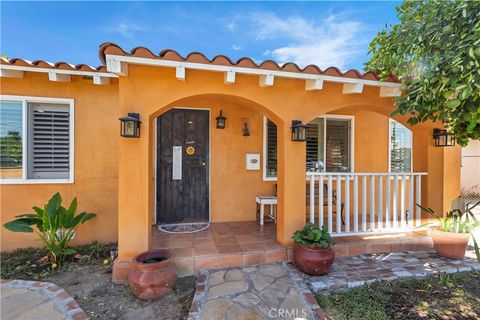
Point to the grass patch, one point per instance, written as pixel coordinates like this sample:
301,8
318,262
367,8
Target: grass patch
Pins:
445,296
30,263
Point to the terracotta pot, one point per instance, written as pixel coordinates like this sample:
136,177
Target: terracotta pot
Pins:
450,244
313,261
151,280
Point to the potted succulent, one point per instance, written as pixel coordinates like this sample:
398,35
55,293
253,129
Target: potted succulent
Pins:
153,274
312,250
452,232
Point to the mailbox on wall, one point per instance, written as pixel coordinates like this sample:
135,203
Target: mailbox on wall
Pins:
253,161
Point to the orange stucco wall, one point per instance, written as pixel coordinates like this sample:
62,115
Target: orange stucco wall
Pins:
152,91
96,164
114,176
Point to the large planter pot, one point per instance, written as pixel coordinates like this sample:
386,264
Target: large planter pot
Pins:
313,261
153,274
450,244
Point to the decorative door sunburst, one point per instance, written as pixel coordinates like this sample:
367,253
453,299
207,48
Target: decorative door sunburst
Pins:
190,150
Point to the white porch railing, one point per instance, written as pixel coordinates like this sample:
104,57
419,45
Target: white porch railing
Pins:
364,203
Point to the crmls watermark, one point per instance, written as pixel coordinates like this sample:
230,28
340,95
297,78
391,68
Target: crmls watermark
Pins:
288,313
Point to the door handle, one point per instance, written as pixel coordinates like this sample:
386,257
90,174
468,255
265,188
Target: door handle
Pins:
204,162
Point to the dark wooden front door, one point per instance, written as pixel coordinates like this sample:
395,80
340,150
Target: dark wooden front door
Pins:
182,166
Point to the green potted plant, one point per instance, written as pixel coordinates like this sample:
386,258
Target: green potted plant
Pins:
452,232
312,250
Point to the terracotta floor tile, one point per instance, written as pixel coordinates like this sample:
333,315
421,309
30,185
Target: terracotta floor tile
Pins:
203,242
160,244
182,252
251,247
264,237
379,247
202,263
225,240
205,251
229,248
245,238
181,236
230,260
357,249
253,258
271,245
409,244
182,243
202,234
340,250
276,255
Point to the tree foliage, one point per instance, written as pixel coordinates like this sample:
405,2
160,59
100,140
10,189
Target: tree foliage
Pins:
435,51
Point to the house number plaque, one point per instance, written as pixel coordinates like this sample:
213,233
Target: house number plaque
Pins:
177,163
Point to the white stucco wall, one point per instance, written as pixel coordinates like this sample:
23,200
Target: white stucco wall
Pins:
470,173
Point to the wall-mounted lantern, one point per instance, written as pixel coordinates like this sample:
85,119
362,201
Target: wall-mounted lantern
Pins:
130,126
298,130
245,129
443,138
221,121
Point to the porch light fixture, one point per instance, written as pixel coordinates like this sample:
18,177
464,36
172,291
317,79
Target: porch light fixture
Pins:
443,138
245,129
298,130
221,121
130,126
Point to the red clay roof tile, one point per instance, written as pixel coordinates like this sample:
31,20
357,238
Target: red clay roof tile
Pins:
197,57
48,65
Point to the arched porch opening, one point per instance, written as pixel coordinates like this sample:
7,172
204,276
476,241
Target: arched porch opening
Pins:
232,186
372,169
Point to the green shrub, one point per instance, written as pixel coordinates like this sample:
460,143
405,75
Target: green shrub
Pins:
54,225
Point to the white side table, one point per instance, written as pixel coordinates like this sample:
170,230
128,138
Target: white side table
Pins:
272,202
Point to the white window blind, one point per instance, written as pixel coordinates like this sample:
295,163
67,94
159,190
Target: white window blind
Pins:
337,145
271,149
328,145
49,141
400,147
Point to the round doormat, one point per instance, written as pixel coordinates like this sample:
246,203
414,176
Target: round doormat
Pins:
184,227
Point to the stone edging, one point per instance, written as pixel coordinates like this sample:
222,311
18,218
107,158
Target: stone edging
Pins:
65,303
199,296
308,296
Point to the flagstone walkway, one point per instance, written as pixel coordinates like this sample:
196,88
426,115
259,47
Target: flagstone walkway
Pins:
37,301
349,272
258,292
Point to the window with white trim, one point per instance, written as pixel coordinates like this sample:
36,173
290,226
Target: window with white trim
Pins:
329,146
400,147
36,140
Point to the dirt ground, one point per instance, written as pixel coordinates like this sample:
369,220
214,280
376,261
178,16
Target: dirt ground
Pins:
92,287
88,281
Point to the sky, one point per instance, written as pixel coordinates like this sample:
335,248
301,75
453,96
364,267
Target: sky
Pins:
322,33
